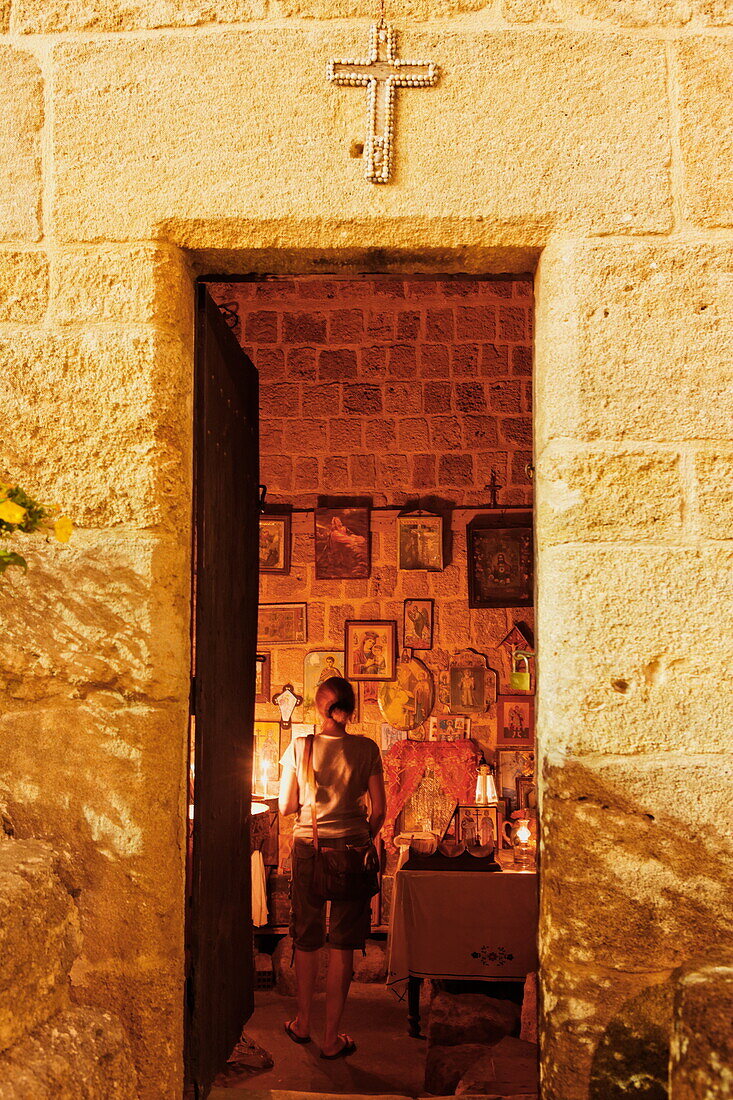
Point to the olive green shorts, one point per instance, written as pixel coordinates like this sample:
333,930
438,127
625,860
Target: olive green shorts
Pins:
349,921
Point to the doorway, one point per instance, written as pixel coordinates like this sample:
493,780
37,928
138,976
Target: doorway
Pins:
397,395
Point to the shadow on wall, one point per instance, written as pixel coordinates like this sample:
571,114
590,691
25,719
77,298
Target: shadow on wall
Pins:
630,892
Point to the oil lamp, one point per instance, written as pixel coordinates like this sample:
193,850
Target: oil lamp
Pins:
522,840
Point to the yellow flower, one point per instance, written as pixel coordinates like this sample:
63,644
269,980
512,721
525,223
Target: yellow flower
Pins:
11,512
63,528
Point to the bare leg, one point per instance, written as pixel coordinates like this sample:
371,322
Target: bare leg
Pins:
338,980
306,972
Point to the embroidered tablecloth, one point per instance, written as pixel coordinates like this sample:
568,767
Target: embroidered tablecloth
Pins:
454,924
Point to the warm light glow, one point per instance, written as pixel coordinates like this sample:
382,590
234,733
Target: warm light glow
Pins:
258,808
491,795
523,834
265,777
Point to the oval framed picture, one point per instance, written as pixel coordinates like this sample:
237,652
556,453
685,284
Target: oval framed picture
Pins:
407,701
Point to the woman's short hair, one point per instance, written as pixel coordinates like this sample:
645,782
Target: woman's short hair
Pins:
335,697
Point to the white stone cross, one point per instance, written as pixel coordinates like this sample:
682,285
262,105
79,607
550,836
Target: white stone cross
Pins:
381,73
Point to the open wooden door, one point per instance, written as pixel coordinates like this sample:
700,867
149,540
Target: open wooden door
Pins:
219,981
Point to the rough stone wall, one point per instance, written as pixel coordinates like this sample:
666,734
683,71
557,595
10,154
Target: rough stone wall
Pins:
135,136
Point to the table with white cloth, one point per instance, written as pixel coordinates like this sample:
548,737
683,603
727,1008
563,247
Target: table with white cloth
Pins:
468,925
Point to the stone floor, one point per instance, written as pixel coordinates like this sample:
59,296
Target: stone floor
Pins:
387,1061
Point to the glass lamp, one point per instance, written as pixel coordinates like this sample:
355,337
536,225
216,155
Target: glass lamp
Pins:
485,787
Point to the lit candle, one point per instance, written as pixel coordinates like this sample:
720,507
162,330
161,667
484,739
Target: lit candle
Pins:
523,834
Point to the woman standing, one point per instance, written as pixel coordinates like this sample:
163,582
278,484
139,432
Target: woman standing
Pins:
347,788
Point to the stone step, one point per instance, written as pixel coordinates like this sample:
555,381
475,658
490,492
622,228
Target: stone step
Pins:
39,938
81,1052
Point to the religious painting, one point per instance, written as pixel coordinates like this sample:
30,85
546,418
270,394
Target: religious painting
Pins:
319,665
407,701
449,727
478,828
500,560
420,541
342,543
371,649
505,814
389,736
515,722
262,678
282,623
370,693
266,759
417,624
513,763
473,684
526,792
275,543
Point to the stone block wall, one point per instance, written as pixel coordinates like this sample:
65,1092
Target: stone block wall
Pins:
139,140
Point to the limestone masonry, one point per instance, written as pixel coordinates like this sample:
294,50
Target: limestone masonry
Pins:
586,142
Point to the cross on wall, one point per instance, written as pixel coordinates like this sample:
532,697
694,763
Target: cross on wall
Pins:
381,73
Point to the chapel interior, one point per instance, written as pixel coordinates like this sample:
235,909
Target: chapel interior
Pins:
396,452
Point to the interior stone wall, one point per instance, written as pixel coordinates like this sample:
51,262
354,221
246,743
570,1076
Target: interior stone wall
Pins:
138,140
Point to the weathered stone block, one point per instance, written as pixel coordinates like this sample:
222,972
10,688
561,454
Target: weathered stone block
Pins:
120,404
39,938
649,686
139,284
498,169
23,286
714,472
620,836
603,494
630,13
444,1066
149,998
511,1069
605,1033
634,342
51,16
469,1018
705,75
21,119
701,1063
101,613
80,1052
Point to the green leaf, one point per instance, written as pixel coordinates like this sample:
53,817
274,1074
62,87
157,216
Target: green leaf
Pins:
8,558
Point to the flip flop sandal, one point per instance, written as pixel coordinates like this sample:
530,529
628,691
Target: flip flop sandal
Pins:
299,1039
348,1048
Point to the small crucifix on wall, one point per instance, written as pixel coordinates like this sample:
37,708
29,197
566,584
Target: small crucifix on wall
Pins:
381,73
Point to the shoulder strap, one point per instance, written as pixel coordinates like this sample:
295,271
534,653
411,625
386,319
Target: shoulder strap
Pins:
310,777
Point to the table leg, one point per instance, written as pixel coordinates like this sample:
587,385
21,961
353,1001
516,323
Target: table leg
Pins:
413,1006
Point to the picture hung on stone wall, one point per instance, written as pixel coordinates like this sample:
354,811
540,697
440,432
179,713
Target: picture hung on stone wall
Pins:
342,543
417,624
474,686
282,623
515,722
371,649
513,763
420,541
262,678
408,701
449,727
526,792
389,736
500,560
275,542
319,665
369,693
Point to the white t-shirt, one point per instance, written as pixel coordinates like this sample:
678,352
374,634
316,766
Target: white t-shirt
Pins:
343,767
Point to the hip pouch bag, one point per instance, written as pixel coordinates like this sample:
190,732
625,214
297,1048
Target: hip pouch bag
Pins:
339,873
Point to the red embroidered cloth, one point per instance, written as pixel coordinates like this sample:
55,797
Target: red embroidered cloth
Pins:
455,764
